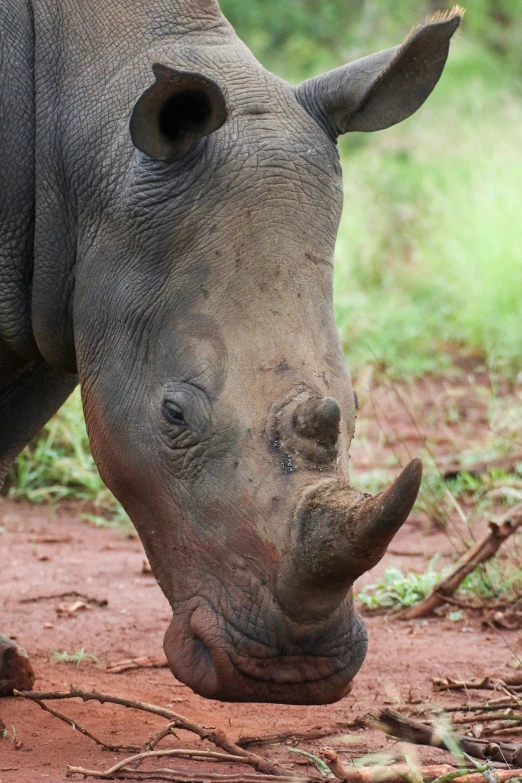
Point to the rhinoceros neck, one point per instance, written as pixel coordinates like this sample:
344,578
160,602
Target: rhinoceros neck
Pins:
17,183
92,61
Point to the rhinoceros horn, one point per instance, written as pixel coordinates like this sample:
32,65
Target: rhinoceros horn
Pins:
339,534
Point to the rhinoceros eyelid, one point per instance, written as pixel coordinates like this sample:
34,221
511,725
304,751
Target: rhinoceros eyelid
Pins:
174,414
188,382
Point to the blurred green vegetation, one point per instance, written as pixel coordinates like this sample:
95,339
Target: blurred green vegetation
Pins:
58,467
297,37
428,259
396,589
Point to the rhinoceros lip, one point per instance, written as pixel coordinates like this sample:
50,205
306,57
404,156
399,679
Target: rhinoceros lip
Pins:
204,657
287,672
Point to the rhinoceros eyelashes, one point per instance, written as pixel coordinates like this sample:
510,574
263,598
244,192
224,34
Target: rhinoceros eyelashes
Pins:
179,109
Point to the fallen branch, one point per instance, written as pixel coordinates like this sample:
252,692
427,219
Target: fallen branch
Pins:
482,551
297,736
401,773
76,726
408,730
205,755
188,776
502,728
513,682
268,771
155,740
508,464
507,732
492,706
51,539
216,736
69,594
145,662
506,715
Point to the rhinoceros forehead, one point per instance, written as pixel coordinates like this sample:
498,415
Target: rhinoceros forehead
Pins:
249,87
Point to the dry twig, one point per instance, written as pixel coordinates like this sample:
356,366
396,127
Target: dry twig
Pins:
409,730
454,468
216,736
102,602
76,726
514,682
299,736
402,773
483,550
155,740
51,539
145,662
189,776
185,753
507,715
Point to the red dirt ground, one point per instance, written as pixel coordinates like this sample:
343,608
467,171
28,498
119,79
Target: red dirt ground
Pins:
403,658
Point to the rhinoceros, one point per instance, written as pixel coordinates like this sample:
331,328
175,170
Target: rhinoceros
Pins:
169,210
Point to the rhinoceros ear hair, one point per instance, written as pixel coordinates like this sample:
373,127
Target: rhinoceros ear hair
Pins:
179,109
385,88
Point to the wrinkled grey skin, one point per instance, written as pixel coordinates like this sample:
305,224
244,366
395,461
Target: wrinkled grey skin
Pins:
186,280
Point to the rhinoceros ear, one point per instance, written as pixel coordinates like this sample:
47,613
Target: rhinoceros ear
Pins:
179,109
385,88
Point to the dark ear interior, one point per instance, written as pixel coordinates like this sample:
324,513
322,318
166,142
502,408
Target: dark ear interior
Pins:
179,109
185,114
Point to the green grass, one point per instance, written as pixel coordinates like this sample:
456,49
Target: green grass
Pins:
58,467
477,496
318,763
499,577
75,658
428,258
399,590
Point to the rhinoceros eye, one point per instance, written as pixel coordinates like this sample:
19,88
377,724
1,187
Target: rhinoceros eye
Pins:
185,415
174,414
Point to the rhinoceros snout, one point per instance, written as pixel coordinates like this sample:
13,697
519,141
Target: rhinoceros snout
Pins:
271,660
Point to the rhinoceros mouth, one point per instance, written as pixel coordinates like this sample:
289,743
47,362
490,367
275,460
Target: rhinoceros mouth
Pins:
218,661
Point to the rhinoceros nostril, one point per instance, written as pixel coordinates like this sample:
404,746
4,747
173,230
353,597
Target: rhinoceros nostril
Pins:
318,419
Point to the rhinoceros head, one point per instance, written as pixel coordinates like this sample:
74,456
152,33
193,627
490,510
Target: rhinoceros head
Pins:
217,399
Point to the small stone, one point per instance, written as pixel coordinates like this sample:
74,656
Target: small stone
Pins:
15,668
